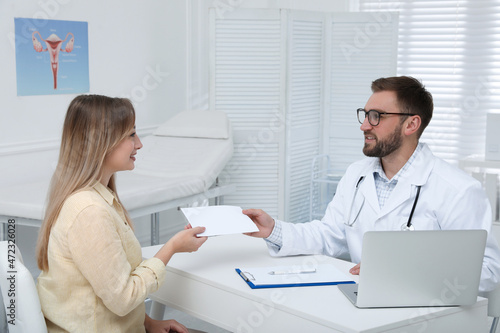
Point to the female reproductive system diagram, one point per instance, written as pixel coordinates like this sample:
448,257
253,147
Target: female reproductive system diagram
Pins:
54,46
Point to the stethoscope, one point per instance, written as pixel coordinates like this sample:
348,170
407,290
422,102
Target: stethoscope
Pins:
406,227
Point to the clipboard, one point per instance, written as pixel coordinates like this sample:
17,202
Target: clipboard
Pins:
260,277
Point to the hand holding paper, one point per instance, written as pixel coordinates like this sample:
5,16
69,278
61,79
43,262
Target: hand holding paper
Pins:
219,220
262,220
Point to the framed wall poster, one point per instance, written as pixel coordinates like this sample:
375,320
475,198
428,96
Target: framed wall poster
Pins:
51,57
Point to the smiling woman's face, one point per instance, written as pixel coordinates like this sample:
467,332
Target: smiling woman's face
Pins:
122,157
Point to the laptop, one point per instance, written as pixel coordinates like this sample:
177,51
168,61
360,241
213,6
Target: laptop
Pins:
418,268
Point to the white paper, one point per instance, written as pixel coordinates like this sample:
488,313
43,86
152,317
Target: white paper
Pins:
324,274
219,220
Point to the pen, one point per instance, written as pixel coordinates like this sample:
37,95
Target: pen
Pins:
293,271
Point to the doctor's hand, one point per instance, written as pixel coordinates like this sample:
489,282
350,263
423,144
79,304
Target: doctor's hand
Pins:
262,220
355,270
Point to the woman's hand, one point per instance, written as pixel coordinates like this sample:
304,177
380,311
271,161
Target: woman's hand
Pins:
184,241
163,326
187,240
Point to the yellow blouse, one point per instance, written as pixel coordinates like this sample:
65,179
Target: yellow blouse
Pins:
97,281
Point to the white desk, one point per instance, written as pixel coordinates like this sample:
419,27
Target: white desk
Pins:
205,285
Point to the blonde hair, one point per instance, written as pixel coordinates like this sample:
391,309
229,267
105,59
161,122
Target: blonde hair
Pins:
94,125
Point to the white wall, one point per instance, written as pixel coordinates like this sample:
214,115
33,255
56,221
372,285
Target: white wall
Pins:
128,40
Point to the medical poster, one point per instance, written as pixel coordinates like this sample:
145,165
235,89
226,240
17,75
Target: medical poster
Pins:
52,57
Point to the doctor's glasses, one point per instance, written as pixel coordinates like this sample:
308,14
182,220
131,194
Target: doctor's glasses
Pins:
374,115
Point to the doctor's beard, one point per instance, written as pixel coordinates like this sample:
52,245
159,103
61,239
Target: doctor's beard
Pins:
384,147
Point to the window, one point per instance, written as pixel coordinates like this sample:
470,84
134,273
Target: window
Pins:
291,81
454,48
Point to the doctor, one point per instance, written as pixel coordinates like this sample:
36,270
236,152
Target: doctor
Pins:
401,185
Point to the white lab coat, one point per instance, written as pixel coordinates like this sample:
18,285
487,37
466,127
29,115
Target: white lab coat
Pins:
449,199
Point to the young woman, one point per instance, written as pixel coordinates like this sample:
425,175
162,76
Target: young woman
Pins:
93,277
